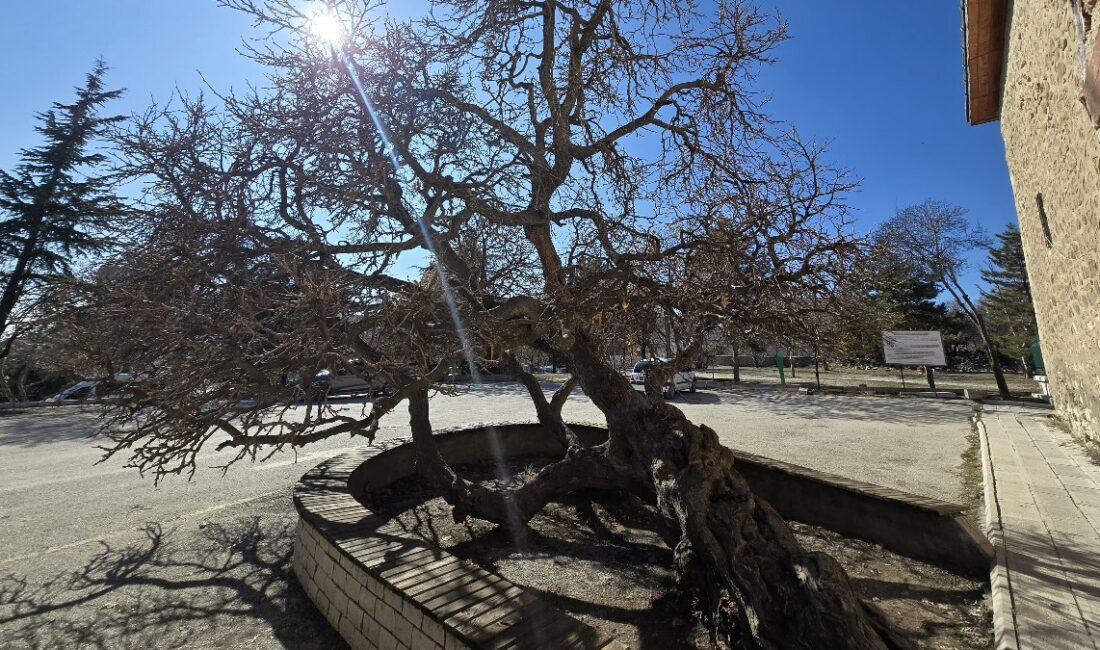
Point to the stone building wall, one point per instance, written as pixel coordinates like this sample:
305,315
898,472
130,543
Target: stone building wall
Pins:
1053,152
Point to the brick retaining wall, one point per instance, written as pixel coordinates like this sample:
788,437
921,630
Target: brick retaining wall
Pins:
365,610
382,588
923,528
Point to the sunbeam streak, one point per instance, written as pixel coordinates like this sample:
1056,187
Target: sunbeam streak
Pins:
425,230
516,526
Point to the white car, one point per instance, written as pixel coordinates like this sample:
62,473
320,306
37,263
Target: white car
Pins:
352,378
87,388
681,381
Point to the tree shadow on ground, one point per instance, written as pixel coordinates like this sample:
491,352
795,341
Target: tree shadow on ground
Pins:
501,387
576,535
884,409
229,588
891,410
35,427
1052,586
579,557
698,397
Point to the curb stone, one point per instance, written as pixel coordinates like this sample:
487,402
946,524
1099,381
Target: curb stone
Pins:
1000,581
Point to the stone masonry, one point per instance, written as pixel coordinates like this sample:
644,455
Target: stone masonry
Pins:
1053,151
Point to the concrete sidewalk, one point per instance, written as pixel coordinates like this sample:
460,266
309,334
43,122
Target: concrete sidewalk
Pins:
1043,517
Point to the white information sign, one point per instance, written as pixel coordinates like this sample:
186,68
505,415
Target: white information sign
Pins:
908,348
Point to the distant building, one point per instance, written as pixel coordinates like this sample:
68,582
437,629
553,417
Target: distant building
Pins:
1035,66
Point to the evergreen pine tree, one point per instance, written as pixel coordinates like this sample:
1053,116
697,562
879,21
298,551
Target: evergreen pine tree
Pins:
53,205
913,299
906,294
1007,305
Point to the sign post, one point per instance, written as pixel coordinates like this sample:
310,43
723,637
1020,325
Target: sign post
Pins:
914,348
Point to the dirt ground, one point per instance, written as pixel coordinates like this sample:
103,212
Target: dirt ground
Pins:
218,580
597,557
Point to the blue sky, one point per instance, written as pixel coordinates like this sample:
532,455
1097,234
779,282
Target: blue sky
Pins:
880,81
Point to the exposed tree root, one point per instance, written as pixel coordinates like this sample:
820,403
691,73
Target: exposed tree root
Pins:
737,559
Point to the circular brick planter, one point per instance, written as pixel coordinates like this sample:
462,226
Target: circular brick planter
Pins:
380,587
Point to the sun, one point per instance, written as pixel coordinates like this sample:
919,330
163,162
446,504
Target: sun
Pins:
326,27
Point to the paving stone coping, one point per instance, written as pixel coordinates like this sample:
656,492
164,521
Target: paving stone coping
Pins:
1043,517
381,587
1000,588
862,391
869,490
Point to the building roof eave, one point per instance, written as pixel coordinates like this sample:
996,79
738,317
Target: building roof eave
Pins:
984,26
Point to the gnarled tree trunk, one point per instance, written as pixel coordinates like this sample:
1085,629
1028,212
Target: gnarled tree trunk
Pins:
755,585
760,588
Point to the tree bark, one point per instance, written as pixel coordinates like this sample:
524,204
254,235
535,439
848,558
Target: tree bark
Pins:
758,588
21,383
668,336
547,411
736,366
998,371
18,277
582,468
993,354
5,388
817,368
954,287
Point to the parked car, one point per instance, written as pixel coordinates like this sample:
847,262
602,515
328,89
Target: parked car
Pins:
80,390
90,388
352,378
682,380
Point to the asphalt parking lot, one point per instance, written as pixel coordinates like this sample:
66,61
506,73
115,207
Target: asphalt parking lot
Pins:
95,555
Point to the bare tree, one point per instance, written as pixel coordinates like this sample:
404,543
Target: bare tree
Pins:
847,320
570,169
936,237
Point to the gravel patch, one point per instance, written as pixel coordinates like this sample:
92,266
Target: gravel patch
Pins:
908,444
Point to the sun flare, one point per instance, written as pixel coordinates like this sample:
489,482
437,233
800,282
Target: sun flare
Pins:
326,27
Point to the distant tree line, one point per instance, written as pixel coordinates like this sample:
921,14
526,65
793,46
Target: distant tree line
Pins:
910,278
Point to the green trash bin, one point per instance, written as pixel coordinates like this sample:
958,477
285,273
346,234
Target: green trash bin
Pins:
1037,356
